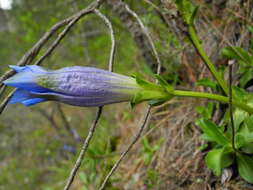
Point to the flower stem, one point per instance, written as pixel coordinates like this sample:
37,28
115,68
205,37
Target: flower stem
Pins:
216,97
196,42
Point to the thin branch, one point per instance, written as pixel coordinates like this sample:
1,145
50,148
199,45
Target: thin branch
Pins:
63,33
136,138
50,119
146,32
2,90
5,101
113,44
83,151
67,126
93,127
118,7
33,52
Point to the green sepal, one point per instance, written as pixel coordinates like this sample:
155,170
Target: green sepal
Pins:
146,84
164,84
146,95
157,102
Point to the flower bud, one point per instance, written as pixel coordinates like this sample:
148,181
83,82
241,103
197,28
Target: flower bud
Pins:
78,86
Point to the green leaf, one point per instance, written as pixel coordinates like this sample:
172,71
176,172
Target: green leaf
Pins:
187,10
146,95
193,15
249,123
206,112
237,53
212,131
245,167
207,83
239,93
246,77
217,159
247,148
250,28
239,117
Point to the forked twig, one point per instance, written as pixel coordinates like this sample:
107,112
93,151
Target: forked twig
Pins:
93,127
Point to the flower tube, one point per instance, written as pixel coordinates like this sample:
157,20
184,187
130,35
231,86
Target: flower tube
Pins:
78,86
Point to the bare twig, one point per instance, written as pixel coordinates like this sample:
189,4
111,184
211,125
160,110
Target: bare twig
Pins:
113,45
64,32
2,90
5,101
93,127
50,118
83,151
32,53
132,25
67,126
146,32
147,115
136,138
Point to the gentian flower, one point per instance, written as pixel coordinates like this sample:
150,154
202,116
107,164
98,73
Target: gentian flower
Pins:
78,86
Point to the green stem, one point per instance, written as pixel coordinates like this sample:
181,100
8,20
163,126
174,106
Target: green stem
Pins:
216,97
196,42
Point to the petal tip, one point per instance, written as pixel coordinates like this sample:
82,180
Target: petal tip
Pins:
16,68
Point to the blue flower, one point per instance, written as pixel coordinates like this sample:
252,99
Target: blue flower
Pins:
78,86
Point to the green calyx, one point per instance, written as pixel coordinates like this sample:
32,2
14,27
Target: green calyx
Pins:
154,93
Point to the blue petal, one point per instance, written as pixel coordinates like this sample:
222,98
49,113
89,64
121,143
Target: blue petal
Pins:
28,68
25,97
33,101
25,80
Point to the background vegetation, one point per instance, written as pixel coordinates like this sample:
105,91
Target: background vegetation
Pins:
39,145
